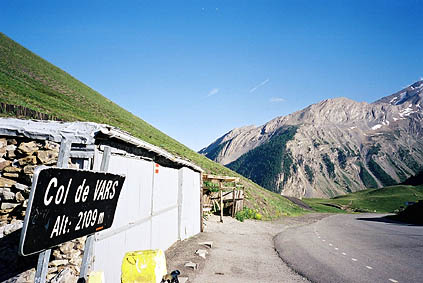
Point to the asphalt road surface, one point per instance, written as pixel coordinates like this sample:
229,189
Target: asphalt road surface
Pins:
354,248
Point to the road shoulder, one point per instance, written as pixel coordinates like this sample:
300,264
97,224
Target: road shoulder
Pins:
241,251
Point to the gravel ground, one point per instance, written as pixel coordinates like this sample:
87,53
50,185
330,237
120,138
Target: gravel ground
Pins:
241,252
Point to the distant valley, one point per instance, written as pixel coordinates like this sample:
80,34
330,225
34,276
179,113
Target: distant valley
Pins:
332,147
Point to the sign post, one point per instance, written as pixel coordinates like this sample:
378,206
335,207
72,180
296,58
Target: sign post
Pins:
89,242
44,257
65,204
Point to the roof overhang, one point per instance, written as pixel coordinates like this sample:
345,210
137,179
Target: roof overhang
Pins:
82,133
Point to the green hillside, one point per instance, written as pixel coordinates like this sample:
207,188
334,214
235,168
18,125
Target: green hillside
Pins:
30,81
384,200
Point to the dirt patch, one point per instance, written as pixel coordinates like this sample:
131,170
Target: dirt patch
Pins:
241,252
299,202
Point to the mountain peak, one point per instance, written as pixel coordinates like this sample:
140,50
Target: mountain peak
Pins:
411,94
332,147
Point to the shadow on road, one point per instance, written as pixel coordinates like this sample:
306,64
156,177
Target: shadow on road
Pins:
390,219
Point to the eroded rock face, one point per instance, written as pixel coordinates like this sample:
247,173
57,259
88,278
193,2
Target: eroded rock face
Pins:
339,146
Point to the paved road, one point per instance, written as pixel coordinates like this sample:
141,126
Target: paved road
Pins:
354,248
242,252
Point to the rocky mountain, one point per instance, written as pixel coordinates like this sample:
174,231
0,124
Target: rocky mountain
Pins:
332,147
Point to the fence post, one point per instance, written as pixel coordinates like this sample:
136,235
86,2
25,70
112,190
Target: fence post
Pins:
44,257
233,202
221,201
89,242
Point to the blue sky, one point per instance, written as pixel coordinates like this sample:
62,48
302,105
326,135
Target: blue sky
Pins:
197,69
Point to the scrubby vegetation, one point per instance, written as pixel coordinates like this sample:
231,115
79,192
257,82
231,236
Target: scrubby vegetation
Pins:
309,173
376,169
342,158
380,174
264,163
247,213
406,157
269,204
330,168
212,187
367,179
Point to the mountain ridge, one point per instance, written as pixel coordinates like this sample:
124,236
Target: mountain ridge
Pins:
340,146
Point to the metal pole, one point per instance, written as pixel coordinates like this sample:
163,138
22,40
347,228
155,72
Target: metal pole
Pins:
89,242
44,257
42,266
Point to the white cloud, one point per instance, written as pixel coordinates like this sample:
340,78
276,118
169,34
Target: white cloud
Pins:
276,99
213,92
259,85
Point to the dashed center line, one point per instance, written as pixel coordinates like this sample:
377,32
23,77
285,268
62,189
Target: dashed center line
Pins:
353,259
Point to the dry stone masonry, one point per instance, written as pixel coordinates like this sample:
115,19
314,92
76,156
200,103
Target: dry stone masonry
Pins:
18,159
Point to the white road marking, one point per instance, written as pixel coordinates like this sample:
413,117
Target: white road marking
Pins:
330,245
344,253
353,259
369,267
318,237
393,280
336,249
323,240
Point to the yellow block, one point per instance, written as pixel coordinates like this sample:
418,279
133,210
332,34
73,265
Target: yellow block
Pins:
96,277
147,266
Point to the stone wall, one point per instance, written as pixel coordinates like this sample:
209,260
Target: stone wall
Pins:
18,159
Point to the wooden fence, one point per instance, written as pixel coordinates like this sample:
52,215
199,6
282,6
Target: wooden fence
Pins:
21,111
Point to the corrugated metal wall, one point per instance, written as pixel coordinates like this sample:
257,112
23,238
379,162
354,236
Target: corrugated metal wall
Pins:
189,195
157,206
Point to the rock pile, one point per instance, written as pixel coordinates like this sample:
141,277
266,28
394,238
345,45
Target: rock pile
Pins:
18,159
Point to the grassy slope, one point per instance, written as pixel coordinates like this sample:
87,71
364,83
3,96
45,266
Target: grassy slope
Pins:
269,204
30,81
383,200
